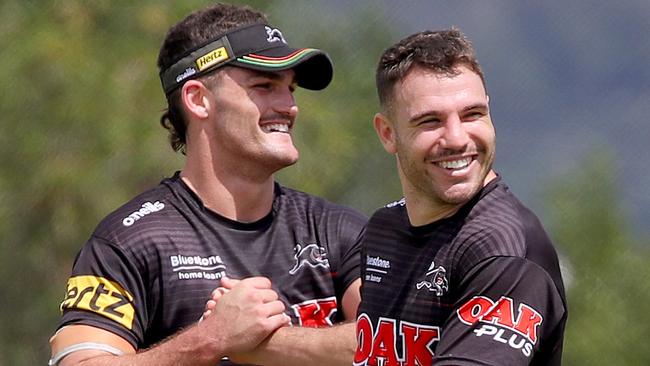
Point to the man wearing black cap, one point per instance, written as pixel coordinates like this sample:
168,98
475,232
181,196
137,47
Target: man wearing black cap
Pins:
139,285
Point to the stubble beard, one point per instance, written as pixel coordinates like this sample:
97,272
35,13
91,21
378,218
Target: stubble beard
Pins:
425,186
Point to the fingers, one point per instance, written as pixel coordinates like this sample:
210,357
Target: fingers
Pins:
272,308
258,289
229,283
209,308
217,293
253,289
279,321
245,312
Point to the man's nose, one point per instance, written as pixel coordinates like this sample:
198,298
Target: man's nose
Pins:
286,104
454,137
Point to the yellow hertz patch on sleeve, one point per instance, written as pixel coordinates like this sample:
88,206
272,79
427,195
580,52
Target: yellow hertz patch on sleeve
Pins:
212,58
100,296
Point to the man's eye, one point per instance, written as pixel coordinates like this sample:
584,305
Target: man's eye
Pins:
429,121
473,116
264,86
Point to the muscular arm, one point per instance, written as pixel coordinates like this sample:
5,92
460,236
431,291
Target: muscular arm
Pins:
505,298
290,346
189,347
241,320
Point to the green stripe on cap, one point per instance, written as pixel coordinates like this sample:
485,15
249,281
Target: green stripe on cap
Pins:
278,62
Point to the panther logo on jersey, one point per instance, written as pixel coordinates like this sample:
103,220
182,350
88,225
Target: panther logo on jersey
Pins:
311,255
435,280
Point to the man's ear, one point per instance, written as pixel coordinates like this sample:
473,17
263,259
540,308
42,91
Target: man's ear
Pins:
194,95
385,132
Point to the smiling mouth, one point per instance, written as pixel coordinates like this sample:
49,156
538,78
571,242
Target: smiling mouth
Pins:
276,127
454,164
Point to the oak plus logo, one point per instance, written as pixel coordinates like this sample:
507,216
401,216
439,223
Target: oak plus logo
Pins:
517,329
147,208
382,345
311,255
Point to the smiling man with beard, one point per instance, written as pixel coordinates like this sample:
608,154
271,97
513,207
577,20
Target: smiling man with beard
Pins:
467,276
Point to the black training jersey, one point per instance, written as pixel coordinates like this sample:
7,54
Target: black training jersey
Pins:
482,287
150,266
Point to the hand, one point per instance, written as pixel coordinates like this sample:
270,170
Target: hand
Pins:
244,313
214,297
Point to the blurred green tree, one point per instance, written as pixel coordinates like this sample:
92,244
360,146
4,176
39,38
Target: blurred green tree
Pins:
606,273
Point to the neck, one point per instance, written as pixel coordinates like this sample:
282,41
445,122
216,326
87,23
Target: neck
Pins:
228,191
423,211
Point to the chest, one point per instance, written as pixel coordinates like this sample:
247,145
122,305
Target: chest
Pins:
191,265
407,278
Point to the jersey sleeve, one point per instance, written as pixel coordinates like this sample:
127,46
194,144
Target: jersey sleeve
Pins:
105,290
351,228
509,308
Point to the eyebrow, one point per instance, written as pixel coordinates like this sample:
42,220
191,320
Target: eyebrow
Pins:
435,113
475,106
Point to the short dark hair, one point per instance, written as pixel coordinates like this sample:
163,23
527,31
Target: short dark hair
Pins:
441,51
196,29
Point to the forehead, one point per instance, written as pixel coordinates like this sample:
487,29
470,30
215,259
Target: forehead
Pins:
423,89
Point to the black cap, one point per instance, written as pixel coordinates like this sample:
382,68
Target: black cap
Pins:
256,46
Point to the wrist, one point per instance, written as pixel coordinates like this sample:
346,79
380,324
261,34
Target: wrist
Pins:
199,344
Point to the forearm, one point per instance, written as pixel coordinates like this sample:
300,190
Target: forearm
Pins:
189,347
298,346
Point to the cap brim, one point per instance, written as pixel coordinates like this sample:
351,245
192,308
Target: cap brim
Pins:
313,67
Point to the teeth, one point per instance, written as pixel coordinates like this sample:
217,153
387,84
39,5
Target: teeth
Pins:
454,164
276,127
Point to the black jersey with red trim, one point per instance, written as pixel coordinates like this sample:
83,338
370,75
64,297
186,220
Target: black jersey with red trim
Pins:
482,287
149,267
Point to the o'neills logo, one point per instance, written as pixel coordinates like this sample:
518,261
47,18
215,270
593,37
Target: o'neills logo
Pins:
212,58
186,74
146,209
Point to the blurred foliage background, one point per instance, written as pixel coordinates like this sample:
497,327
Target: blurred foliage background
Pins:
80,101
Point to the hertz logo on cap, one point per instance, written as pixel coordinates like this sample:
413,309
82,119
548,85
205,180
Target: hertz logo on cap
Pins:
212,58
100,296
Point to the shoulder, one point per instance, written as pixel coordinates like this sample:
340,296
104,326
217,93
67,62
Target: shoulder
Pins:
295,201
146,213
391,212
500,225
388,224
